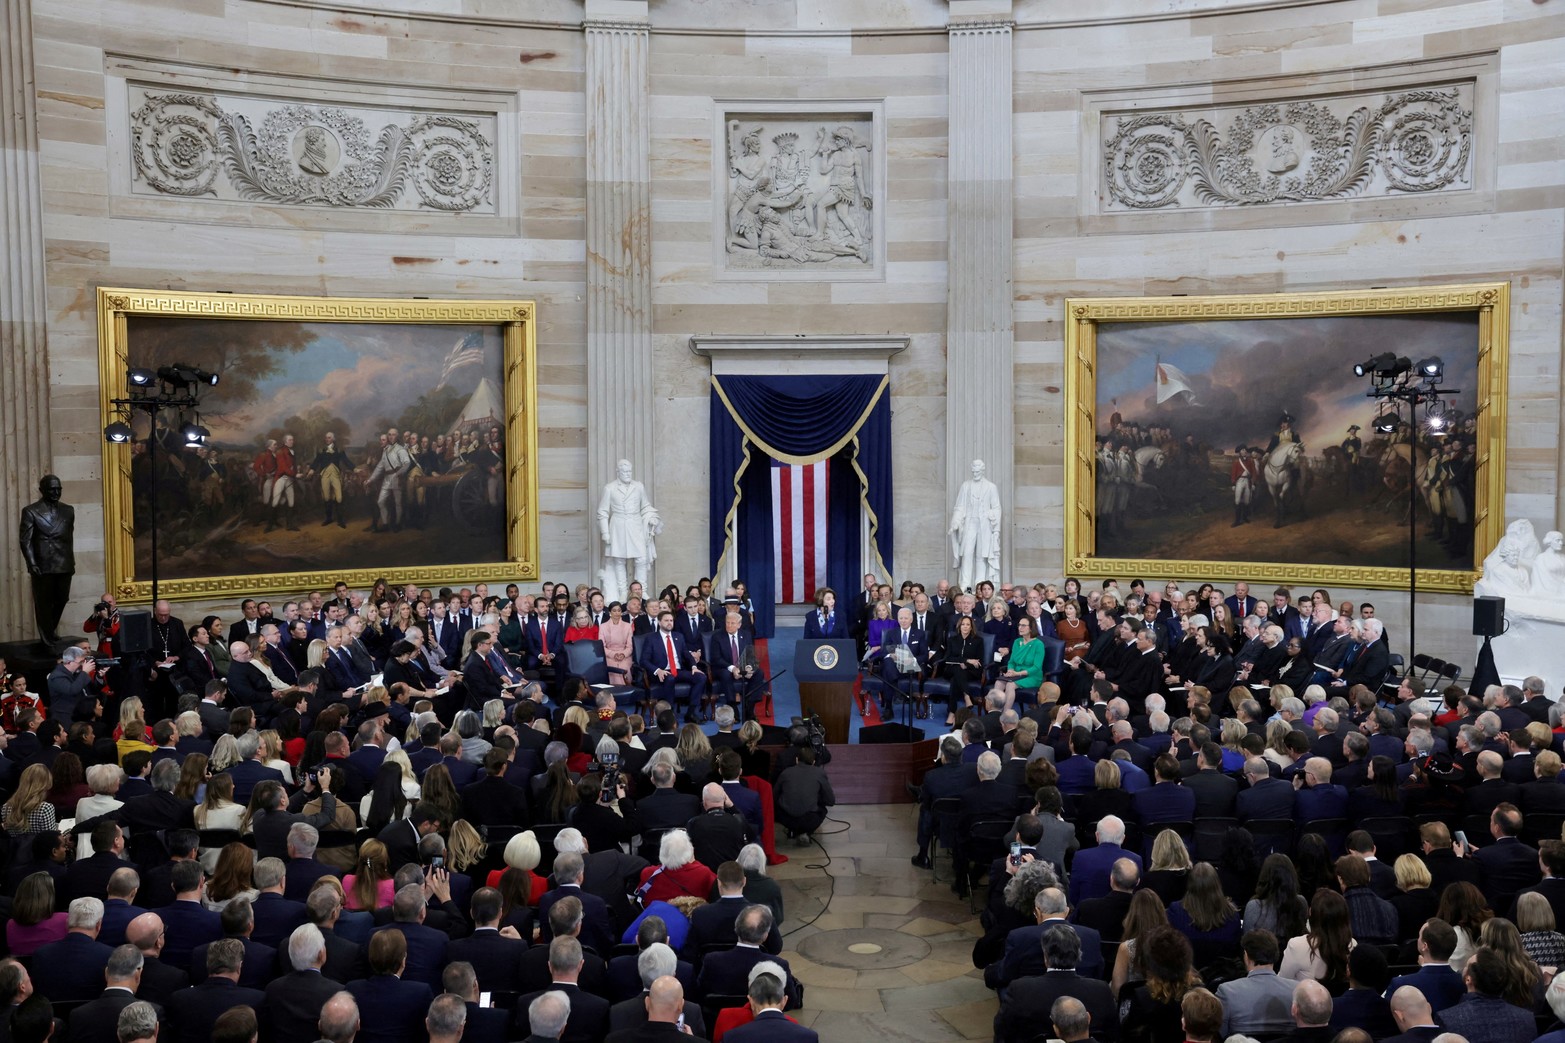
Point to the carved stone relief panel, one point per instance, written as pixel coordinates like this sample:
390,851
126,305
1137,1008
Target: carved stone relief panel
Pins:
1366,144
264,150
800,192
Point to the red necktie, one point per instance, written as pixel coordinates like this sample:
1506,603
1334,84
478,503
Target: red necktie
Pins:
673,663
543,635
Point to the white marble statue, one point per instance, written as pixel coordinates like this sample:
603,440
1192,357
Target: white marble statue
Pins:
627,521
975,530
1548,569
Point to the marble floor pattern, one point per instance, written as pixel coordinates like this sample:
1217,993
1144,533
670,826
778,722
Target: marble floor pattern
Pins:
891,956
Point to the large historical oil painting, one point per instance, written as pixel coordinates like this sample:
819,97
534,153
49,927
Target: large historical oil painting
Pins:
349,438
1229,437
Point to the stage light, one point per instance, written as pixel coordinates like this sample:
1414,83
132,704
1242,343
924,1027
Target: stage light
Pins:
140,377
1374,365
1431,368
194,434
1387,423
1398,366
118,432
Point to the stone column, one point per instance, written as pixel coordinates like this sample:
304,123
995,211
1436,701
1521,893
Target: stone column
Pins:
619,255
979,400
24,360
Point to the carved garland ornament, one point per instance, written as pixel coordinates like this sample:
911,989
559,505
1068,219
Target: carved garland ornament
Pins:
308,155
1420,141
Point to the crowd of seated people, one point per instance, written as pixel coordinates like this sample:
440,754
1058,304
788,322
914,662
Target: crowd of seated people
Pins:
1309,848
397,817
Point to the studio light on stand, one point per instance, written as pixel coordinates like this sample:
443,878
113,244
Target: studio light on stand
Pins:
176,388
1395,382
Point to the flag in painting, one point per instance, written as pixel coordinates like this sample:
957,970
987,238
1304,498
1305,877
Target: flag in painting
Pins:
1171,381
467,352
799,529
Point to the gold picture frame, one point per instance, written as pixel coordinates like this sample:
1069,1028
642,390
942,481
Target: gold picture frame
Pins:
502,336
1114,325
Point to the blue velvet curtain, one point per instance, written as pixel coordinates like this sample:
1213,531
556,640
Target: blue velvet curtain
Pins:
798,420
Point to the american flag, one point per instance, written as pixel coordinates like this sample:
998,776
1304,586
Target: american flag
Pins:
799,529
467,352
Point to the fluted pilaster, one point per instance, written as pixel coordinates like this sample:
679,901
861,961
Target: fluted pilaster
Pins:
979,400
24,359
619,260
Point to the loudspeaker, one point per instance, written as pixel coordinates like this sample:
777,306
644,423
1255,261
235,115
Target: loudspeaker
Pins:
135,631
1488,616
893,733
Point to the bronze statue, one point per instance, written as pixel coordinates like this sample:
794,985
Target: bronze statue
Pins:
48,533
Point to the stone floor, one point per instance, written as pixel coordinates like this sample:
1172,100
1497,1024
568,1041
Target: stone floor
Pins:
891,955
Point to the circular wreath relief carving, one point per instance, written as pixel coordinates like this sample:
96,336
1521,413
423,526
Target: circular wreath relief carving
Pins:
1146,161
1426,138
175,147
454,166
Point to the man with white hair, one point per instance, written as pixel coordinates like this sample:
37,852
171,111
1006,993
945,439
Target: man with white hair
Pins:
1311,1012
1369,667
589,1014
1316,796
655,961
1090,872
986,800
547,1016
767,995
570,869
297,1001
603,872
72,968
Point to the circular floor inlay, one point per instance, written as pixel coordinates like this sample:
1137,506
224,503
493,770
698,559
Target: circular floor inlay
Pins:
864,949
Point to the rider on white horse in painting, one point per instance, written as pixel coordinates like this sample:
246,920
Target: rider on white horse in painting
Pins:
1284,464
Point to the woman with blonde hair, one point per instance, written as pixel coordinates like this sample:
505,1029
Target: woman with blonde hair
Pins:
466,847
576,715
494,717
272,755
1234,733
232,877
1107,797
695,753
1415,901
1276,738
225,754
132,733
34,923
370,885
104,781
1169,872
217,811
1544,945
752,759
29,810
315,654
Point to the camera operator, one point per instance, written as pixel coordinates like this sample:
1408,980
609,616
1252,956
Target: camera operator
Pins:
803,794
68,682
804,735
105,622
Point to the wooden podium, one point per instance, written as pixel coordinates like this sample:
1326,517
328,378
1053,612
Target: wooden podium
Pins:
826,670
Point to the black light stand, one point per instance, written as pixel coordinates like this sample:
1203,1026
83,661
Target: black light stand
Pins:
151,392
1396,380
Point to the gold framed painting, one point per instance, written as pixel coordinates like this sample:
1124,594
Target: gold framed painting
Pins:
1228,437
349,439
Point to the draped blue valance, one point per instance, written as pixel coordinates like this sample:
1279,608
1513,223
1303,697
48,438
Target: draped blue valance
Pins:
798,420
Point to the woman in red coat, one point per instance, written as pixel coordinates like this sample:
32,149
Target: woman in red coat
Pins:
678,872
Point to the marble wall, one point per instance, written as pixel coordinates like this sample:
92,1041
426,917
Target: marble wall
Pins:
527,68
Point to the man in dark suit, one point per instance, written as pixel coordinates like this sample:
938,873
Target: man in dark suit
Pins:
1414,1020
720,832
302,870
1492,790
951,779
388,1004
297,1001
597,928
1023,956
276,916
694,625
247,625
160,809
736,676
89,877
214,715
588,1021
426,947
494,957
1440,986
445,633
99,1019
193,1011
72,968
1507,865
492,801
663,671
770,1024
1106,915
249,772
260,960
1483,1013
186,923
1317,797
159,980
987,800
1283,614
1265,798
402,837
1090,871
195,662
655,960
1446,867
1240,603
1141,673
1551,857
464,1020
119,909
627,977
1166,800
712,925
1215,793
1027,1001
478,674
916,644
727,973
665,807
544,636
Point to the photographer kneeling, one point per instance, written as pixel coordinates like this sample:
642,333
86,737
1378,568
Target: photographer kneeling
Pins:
802,795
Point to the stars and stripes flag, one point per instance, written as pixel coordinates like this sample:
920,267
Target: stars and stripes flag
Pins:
467,352
799,529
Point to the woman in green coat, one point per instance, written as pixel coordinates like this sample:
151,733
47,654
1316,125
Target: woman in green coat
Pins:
1025,667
